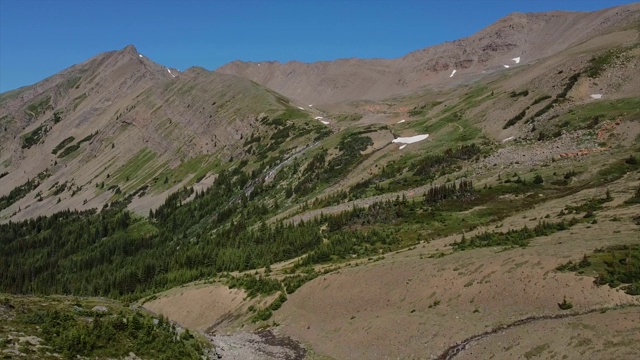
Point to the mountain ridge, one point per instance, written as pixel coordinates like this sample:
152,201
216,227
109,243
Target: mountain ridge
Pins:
488,50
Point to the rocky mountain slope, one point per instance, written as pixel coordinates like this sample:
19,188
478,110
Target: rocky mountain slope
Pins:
120,123
527,37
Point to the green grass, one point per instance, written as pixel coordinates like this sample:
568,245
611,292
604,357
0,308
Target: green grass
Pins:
196,168
134,168
615,171
347,117
38,107
580,116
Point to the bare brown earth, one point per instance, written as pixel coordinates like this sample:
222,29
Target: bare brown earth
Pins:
601,335
199,307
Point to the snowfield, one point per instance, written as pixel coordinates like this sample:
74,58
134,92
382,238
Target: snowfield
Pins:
410,140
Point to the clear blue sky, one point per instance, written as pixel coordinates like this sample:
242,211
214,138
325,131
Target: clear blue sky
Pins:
41,37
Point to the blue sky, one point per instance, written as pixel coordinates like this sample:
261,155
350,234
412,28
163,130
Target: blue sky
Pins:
41,37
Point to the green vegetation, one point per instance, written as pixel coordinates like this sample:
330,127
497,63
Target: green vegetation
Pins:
401,175
515,119
511,238
56,116
255,285
38,107
70,328
592,114
565,305
614,266
347,117
522,93
35,136
616,170
73,148
63,144
22,190
319,170
540,99
599,64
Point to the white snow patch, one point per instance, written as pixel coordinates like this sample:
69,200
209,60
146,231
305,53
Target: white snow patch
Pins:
300,107
318,117
517,60
140,55
453,72
170,72
403,146
509,138
507,66
401,121
310,105
324,122
410,139
596,96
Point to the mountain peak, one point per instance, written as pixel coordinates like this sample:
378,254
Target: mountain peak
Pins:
129,49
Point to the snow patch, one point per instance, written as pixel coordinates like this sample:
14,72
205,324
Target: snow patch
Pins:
509,139
140,55
517,60
170,72
310,105
507,66
410,139
401,121
596,96
318,117
403,146
300,107
324,122
453,72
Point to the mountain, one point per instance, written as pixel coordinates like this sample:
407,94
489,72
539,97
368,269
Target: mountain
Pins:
529,37
119,122
449,218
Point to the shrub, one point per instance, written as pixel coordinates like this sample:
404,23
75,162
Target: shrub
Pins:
565,305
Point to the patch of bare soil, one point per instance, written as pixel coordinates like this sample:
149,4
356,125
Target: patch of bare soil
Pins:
612,334
199,307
